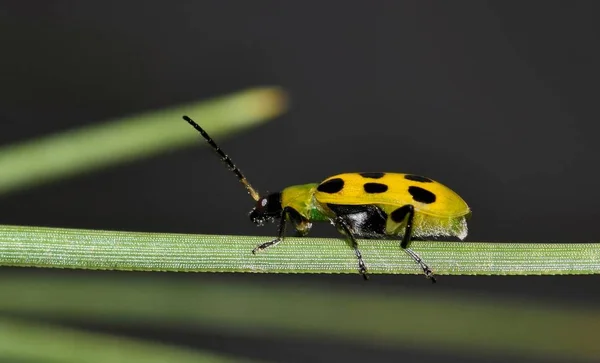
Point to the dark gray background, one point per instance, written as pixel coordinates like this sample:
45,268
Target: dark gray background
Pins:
496,99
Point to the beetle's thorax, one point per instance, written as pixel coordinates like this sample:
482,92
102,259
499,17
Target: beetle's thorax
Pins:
301,198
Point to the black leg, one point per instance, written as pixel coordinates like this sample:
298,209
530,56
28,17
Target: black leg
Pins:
408,230
301,224
280,234
342,227
426,270
406,239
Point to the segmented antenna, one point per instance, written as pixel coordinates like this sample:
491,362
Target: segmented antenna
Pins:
226,159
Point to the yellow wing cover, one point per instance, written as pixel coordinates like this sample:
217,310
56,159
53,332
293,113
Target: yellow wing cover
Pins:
392,190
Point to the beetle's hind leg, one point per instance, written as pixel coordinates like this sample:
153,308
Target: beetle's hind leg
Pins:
406,239
426,270
343,228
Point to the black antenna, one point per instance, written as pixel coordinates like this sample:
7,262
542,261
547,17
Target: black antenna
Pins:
226,159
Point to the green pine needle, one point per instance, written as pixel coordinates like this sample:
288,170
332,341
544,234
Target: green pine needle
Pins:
27,342
100,145
139,251
426,319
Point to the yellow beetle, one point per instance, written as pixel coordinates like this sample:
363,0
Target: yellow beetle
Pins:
361,205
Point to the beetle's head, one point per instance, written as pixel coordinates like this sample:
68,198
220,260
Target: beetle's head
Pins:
267,209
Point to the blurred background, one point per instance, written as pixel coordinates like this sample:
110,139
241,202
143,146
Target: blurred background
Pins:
497,100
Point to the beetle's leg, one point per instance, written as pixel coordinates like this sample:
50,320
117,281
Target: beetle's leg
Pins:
410,213
406,239
343,228
280,234
301,224
426,270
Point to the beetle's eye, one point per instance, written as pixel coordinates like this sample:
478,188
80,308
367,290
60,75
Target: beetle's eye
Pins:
263,202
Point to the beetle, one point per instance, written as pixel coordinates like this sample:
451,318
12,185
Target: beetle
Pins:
360,205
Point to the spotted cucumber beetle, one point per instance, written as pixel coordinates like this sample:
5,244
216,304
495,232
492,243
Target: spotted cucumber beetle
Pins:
360,205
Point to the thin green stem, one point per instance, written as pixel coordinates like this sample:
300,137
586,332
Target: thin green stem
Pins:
428,319
101,145
141,251
20,341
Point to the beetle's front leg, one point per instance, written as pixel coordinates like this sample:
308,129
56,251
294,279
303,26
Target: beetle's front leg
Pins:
301,224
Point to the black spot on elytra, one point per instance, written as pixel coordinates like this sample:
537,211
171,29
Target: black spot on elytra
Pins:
372,175
331,186
374,188
400,214
421,195
418,178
